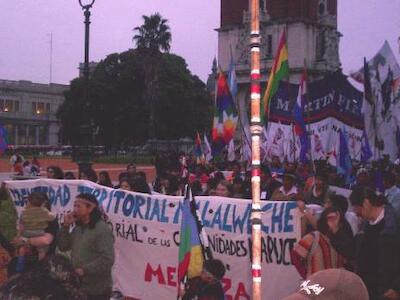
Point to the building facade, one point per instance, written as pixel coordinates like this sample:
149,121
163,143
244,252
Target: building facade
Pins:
28,111
312,39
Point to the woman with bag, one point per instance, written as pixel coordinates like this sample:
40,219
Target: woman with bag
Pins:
314,252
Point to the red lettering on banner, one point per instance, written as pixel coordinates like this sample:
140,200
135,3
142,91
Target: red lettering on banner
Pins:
171,271
150,272
231,293
226,285
240,293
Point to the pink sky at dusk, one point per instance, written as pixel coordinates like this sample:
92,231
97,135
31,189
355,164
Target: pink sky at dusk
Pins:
27,24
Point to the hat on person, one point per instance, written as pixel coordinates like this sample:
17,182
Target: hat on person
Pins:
331,284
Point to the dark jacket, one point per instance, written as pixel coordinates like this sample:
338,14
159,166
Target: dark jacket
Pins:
388,257
92,249
204,291
343,240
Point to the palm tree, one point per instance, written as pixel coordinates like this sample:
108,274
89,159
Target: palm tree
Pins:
151,38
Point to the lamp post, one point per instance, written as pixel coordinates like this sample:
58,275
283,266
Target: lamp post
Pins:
83,154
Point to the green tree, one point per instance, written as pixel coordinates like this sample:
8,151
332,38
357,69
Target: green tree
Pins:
117,101
151,39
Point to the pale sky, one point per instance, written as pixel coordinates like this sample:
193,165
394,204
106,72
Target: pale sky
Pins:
27,24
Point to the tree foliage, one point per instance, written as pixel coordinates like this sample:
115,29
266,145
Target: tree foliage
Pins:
151,39
154,35
118,101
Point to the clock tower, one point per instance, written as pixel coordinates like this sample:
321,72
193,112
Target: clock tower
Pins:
312,38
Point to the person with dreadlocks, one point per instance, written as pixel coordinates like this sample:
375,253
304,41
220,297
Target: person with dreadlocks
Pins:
92,246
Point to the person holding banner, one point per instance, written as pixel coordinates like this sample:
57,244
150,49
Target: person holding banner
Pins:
315,252
92,247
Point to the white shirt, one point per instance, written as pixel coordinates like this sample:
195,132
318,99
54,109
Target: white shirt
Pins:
293,190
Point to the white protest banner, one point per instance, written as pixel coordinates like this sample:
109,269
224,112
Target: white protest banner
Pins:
146,228
332,104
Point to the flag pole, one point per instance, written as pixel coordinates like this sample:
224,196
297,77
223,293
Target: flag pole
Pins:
308,117
256,131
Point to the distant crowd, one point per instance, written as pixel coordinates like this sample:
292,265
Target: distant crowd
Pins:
346,224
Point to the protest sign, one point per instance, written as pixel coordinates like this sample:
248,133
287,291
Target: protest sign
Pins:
332,104
146,229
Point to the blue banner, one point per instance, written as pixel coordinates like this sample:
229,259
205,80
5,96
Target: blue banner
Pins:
332,96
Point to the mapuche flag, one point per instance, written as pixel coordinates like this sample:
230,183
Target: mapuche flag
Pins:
191,256
279,71
225,116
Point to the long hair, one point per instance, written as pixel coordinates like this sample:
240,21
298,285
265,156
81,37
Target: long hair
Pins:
322,223
58,173
96,214
107,179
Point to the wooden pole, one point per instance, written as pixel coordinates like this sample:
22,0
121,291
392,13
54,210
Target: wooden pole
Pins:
256,131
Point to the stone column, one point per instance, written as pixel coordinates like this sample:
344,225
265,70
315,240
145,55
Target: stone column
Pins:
16,134
27,135
37,140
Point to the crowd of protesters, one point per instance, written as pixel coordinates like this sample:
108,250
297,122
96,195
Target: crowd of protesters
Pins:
358,232
23,167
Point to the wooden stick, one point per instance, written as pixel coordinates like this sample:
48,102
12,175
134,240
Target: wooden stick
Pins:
256,131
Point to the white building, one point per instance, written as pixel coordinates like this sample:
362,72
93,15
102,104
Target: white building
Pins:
28,111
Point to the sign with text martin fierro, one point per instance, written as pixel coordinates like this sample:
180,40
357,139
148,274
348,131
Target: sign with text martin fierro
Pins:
146,230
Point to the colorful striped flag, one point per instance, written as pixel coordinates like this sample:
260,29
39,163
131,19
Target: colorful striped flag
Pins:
191,255
279,71
225,117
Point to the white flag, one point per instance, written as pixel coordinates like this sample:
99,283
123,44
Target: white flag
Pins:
231,151
207,149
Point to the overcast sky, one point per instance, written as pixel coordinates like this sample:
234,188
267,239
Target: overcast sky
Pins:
26,26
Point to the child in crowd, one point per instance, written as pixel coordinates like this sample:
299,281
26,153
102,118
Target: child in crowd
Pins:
35,218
